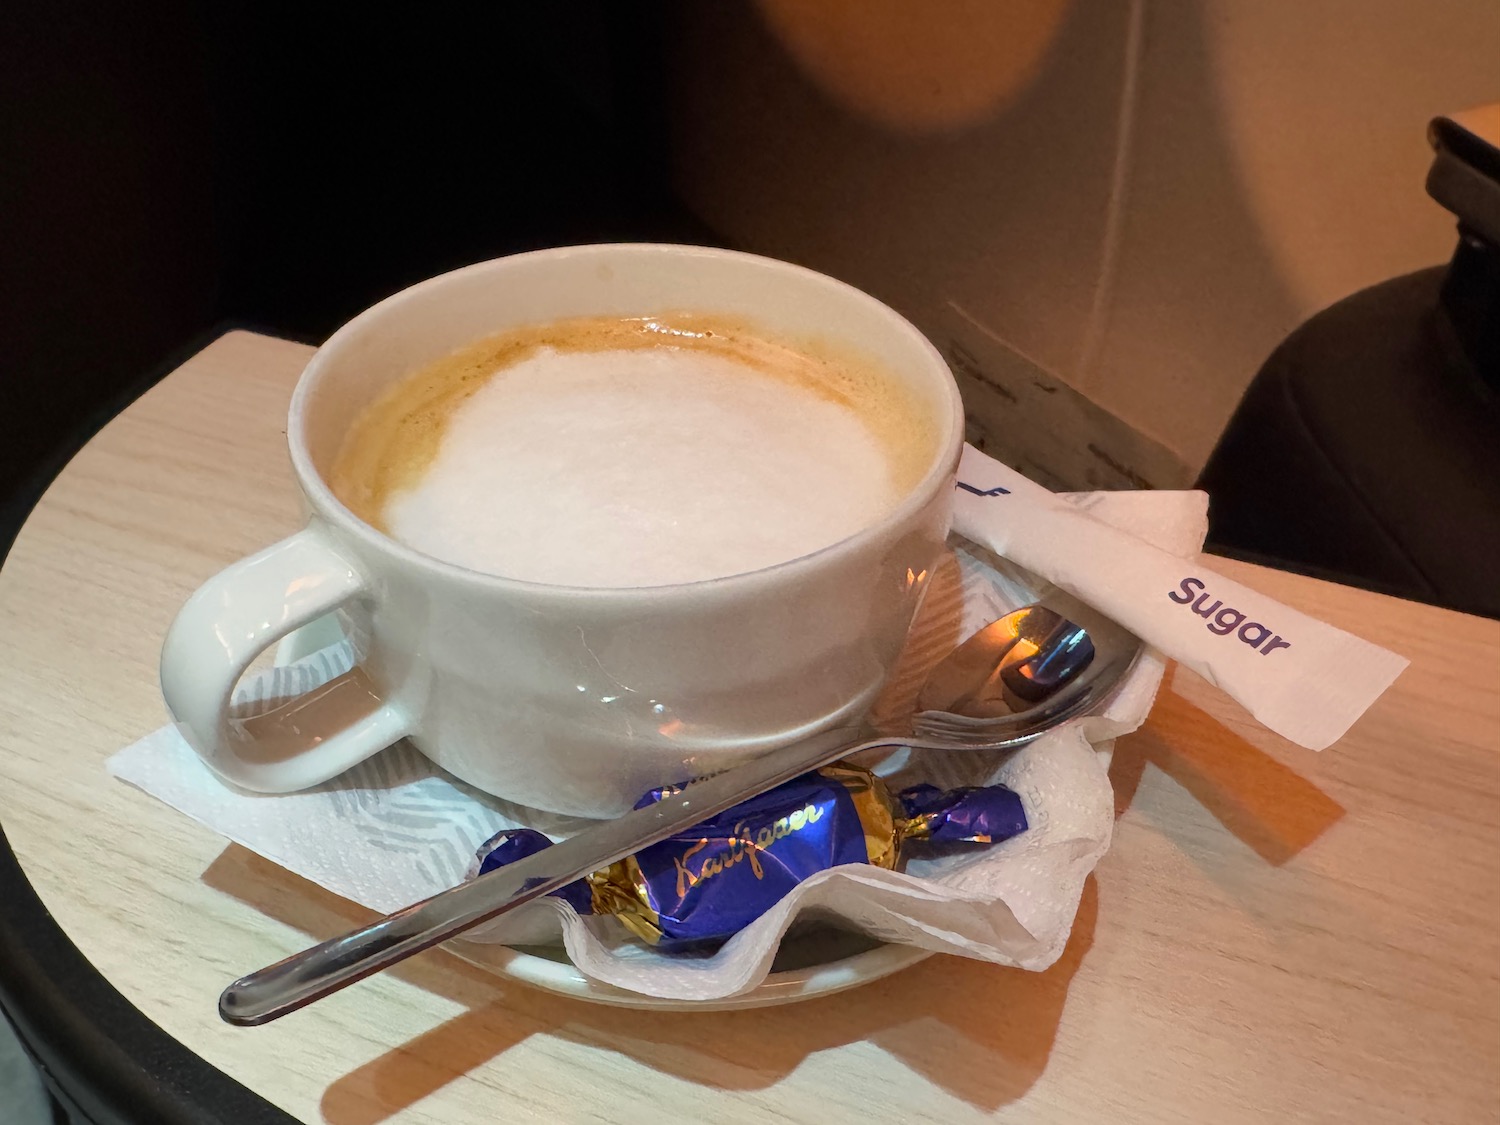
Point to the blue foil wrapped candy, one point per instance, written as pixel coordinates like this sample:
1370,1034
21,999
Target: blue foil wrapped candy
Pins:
974,815
695,890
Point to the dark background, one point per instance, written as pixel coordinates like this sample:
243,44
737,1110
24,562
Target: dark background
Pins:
170,168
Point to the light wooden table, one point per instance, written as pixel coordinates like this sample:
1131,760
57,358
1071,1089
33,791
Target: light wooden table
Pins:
1277,935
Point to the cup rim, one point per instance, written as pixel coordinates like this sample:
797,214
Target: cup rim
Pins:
330,508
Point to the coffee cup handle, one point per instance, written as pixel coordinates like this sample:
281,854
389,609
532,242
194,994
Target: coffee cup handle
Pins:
232,619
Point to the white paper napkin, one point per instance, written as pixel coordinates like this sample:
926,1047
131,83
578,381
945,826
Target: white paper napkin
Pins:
397,828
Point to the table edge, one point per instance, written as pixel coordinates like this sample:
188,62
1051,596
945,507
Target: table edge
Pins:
95,1049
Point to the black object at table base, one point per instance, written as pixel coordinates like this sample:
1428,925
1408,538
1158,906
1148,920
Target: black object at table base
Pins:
1368,449
1368,446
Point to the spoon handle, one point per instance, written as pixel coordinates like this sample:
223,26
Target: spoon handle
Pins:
302,978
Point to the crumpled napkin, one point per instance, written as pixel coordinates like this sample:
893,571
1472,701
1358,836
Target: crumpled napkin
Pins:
397,828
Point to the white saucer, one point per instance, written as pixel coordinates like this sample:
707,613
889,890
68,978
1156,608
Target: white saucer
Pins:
815,961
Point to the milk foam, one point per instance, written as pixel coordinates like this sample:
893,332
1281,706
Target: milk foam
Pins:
641,467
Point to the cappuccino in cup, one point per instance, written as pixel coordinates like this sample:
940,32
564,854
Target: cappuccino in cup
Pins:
592,519
634,451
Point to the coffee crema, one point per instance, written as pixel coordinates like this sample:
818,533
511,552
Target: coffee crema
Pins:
629,452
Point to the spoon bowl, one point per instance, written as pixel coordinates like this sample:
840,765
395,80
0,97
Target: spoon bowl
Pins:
1009,665
1025,674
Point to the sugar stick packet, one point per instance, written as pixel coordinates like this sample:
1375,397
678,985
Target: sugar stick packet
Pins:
1300,677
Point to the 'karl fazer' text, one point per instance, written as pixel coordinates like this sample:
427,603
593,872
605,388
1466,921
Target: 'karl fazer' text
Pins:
743,846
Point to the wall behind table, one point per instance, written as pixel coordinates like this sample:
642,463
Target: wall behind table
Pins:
1107,214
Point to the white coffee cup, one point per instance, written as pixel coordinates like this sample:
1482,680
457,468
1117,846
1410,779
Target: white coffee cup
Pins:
562,698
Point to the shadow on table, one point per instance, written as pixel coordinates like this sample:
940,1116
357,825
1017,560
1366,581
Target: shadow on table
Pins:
1269,806
980,1032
